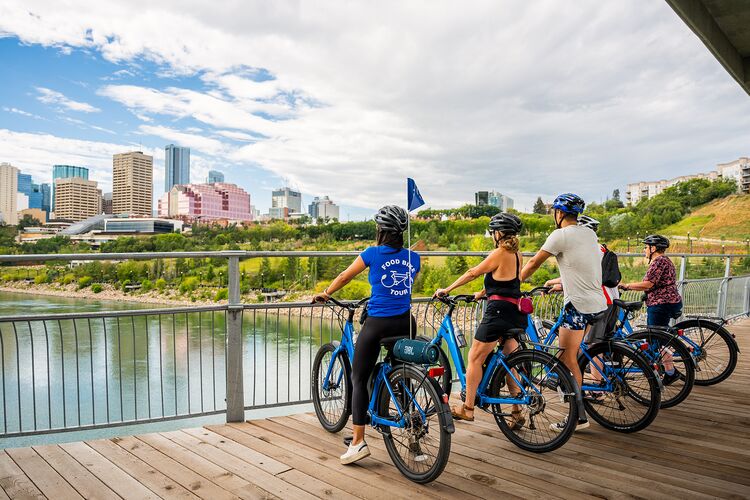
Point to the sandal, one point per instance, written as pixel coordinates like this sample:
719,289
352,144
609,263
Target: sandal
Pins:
516,420
459,413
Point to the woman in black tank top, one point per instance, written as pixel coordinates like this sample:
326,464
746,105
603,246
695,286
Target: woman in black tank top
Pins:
501,314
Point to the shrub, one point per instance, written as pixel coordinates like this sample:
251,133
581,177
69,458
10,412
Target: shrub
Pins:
85,282
161,284
41,278
124,285
68,279
188,284
146,286
8,277
96,288
222,294
355,290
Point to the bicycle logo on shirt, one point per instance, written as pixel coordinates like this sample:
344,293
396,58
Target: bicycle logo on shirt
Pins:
395,279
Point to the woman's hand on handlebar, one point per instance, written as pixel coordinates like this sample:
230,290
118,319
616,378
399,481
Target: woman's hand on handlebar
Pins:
321,298
479,296
441,292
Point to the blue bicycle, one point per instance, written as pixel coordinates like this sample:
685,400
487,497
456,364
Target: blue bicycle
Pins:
621,389
407,406
533,381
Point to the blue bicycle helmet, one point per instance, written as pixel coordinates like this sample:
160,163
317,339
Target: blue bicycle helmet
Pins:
569,203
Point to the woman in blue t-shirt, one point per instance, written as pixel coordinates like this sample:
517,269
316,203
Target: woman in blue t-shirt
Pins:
388,310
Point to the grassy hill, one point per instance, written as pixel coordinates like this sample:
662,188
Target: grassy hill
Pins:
727,218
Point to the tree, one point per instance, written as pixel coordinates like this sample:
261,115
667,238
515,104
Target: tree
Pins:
616,194
539,207
28,221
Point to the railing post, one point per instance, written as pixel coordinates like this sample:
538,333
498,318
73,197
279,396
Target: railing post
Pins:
746,302
235,388
681,278
727,267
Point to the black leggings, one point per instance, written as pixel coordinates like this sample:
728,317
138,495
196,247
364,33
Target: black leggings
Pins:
366,355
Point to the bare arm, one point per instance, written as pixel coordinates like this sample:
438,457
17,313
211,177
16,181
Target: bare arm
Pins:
534,263
342,279
486,266
641,286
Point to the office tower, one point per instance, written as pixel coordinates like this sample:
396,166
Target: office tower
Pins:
176,166
107,203
8,193
215,176
285,201
323,208
205,202
77,199
132,184
65,172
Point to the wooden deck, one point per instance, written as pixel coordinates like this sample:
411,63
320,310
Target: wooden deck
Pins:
700,449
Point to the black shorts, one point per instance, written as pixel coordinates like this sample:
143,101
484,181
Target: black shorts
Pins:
499,317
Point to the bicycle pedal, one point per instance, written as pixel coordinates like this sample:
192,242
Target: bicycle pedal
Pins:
348,440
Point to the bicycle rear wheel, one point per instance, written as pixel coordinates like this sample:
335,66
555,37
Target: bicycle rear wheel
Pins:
662,347
718,357
631,394
552,390
421,447
332,405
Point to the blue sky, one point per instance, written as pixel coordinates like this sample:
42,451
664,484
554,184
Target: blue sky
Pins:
347,100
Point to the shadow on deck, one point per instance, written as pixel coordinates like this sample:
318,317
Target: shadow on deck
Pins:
700,449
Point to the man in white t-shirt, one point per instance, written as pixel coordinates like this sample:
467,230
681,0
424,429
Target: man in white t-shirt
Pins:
580,262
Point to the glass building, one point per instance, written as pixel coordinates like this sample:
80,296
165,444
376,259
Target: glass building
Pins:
31,190
176,166
46,191
215,176
65,172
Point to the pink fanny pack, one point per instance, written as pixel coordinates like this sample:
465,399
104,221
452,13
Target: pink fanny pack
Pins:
524,304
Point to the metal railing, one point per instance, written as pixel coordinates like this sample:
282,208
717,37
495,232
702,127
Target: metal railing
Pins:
79,371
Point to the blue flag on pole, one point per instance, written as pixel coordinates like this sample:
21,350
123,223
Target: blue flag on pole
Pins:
414,199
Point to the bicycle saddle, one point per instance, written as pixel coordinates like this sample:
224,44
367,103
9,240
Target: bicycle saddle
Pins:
389,342
628,306
515,332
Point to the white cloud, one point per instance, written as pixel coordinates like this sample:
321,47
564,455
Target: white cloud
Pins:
527,98
205,144
48,96
21,112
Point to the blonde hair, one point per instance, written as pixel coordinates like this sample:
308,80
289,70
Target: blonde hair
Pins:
509,243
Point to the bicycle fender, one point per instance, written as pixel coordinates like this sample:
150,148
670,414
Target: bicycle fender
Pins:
445,407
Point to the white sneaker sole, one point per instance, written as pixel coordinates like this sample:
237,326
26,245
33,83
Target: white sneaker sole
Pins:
364,453
582,425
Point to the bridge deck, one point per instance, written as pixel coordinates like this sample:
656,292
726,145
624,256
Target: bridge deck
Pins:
700,449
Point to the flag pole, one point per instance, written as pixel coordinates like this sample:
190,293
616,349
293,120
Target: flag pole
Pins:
408,246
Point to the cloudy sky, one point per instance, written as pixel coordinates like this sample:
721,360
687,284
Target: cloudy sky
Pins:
347,99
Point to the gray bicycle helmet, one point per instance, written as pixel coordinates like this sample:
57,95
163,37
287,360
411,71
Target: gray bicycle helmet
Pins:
506,223
392,218
589,222
656,240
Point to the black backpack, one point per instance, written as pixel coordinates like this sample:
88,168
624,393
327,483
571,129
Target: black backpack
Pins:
611,275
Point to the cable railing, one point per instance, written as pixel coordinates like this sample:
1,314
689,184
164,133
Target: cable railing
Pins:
79,371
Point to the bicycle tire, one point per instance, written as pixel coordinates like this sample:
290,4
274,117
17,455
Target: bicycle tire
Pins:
528,362
417,430
445,381
702,365
616,354
663,340
336,420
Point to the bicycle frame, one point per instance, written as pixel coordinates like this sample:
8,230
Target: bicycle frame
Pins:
497,359
626,329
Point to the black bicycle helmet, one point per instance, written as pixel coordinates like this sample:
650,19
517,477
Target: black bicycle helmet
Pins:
569,203
506,223
656,240
392,218
589,222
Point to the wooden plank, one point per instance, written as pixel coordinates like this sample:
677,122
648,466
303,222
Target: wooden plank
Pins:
270,483
249,455
219,475
314,466
154,480
189,479
47,479
107,472
13,481
85,483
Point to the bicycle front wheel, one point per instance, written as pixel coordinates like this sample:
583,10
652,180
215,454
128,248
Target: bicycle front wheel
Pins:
332,397
630,394
420,445
551,390
716,356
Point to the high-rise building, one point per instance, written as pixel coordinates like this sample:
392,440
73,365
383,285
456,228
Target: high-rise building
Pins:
206,202
8,193
32,191
46,190
481,198
215,176
107,203
176,166
77,199
493,198
323,209
65,172
285,198
133,184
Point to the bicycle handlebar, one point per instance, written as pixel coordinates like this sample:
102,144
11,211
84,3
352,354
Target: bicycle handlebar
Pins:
351,305
540,290
453,300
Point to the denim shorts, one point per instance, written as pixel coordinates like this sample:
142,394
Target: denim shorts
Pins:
662,314
574,319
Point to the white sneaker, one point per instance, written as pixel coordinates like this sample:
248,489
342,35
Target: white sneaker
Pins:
560,426
355,453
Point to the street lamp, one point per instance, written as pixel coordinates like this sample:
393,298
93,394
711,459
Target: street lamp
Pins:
283,281
690,243
628,244
262,284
